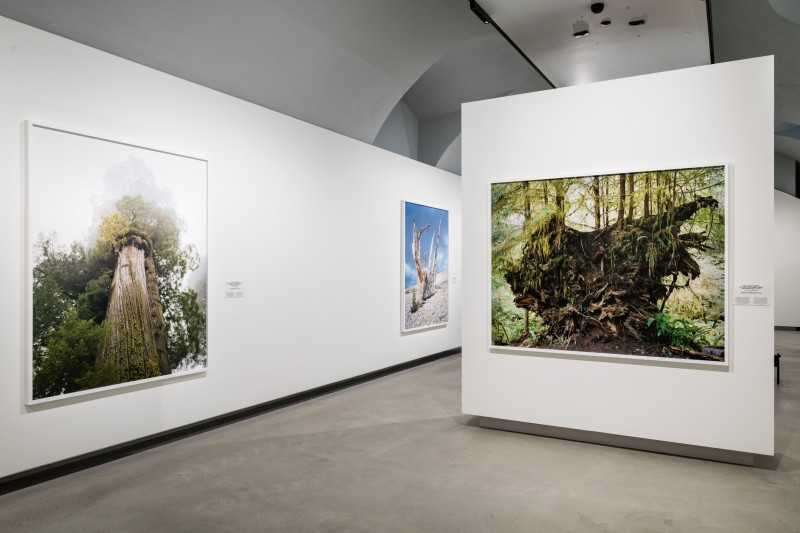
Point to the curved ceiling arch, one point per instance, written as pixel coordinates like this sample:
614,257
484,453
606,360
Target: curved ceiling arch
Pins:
485,66
345,64
451,158
340,64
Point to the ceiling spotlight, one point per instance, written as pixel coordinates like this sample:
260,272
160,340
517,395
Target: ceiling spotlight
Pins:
637,22
478,10
605,22
597,7
579,34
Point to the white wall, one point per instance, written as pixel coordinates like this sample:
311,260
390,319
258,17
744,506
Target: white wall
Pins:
785,174
309,219
705,115
787,260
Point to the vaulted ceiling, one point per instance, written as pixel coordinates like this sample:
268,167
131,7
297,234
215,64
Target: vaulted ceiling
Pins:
747,28
354,66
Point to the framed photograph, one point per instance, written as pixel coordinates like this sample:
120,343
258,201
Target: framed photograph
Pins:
627,265
117,263
425,300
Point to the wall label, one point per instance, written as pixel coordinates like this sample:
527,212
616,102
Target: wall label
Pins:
752,295
234,289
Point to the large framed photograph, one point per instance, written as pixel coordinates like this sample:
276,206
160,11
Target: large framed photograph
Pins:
117,268
425,297
630,265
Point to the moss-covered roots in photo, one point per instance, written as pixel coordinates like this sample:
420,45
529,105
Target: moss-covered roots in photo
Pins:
629,263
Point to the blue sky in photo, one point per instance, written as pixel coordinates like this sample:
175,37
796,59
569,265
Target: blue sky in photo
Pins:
425,215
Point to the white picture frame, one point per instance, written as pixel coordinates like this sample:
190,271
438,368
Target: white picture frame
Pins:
420,311
75,183
723,198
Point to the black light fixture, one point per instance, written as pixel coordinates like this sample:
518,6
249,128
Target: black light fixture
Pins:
478,10
637,21
605,22
580,29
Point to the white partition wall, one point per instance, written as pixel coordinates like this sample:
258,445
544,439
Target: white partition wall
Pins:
719,114
308,219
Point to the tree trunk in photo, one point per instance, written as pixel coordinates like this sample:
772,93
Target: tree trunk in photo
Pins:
526,213
426,265
596,199
647,195
526,200
673,198
430,288
560,198
157,316
621,211
422,273
659,194
630,197
136,338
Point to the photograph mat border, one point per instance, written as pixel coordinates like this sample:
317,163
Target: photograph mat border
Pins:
613,357
27,255
403,328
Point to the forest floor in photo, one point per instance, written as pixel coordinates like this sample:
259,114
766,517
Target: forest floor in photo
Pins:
631,346
433,311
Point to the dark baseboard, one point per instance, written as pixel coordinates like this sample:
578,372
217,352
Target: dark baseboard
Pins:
787,328
44,473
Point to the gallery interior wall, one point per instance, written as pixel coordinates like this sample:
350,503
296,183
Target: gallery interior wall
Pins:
787,260
719,114
309,220
785,179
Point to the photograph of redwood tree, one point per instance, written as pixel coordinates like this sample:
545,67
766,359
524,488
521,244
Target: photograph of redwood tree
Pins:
425,248
117,237
630,264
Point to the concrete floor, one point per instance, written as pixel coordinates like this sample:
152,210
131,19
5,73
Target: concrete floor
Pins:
397,455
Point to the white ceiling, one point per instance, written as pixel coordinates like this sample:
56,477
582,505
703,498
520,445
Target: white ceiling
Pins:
339,64
480,68
675,35
345,64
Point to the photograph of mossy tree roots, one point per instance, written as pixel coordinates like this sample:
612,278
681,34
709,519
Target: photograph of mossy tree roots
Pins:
118,263
630,264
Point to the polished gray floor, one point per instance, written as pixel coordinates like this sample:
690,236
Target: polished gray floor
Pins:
396,454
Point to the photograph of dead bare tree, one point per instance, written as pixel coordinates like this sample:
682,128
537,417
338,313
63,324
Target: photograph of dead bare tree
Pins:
425,254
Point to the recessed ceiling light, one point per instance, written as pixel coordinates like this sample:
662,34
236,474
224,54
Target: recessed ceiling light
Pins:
605,22
579,34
